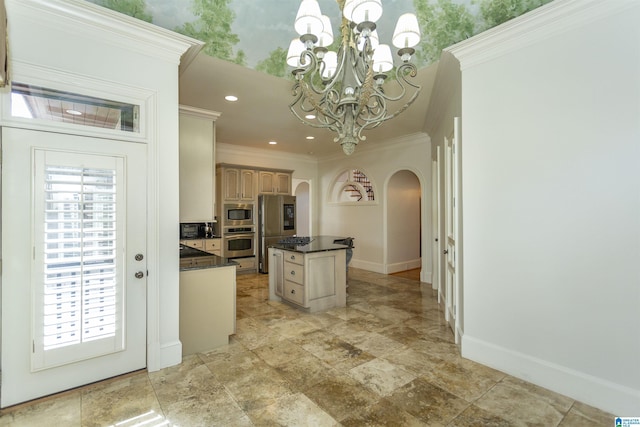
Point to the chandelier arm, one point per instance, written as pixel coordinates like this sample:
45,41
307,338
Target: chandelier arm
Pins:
375,124
327,118
404,70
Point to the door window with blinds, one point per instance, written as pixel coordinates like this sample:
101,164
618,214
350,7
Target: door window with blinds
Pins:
78,283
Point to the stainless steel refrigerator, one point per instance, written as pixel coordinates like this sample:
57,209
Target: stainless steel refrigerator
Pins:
276,220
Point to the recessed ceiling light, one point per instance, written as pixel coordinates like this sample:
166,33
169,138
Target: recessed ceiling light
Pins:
73,112
231,98
310,116
311,137
272,142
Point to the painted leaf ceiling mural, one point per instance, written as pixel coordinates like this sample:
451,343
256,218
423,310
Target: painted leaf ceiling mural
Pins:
256,33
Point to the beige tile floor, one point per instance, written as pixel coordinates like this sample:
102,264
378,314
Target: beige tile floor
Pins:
387,359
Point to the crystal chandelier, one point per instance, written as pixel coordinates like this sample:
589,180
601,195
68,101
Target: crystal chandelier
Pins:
344,91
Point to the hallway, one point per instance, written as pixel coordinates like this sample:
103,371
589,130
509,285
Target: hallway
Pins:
387,359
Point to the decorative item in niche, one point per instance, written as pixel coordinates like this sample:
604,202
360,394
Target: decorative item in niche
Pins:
352,186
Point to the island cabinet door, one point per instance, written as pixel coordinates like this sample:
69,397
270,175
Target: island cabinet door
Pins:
321,281
276,273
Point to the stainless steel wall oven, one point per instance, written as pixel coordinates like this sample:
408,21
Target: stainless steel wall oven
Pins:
238,242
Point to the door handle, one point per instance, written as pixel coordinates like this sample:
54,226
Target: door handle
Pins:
446,251
139,257
139,274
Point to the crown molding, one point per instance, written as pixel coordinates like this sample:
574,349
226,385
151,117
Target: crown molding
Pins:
542,23
250,153
199,112
125,32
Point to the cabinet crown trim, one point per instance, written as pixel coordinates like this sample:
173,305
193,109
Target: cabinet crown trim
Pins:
254,168
199,112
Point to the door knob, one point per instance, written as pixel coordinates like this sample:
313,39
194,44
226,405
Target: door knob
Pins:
139,274
139,257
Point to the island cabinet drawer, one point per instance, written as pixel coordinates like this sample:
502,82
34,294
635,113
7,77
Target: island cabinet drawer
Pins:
193,243
294,272
293,292
294,257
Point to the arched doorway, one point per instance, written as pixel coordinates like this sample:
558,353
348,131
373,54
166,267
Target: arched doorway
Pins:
303,208
404,227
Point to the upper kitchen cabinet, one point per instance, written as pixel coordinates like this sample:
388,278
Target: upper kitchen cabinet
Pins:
236,183
197,164
274,182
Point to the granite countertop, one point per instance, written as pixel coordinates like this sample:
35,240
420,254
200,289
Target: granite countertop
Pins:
215,236
195,259
317,244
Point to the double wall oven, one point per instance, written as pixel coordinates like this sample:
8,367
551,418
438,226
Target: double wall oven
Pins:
238,230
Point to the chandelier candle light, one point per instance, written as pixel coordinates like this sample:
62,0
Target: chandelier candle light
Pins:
344,91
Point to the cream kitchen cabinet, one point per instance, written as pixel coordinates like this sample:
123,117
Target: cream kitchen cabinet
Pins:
207,308
236,184
197,160
274,182
212,246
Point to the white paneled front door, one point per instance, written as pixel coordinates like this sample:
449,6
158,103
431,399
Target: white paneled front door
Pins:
74,261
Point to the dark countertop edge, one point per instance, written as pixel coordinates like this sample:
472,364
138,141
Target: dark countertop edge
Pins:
318,244
213,261
216,262
204,238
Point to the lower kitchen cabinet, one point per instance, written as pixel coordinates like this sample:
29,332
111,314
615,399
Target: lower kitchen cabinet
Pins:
246,264
313,281
207,308
212,246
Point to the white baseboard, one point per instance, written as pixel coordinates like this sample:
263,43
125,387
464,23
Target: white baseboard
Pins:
366,265
170,354
403,266
611,397
425,276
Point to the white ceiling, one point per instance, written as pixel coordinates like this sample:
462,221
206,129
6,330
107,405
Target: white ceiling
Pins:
262,112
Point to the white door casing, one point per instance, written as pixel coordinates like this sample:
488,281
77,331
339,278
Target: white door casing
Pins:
436,226
34,363
451,227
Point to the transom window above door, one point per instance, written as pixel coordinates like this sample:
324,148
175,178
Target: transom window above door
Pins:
34,102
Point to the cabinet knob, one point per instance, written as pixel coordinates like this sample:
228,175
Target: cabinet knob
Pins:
293,257
293,273
293,291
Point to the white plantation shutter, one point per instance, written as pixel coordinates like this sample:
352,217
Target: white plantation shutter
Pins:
78,242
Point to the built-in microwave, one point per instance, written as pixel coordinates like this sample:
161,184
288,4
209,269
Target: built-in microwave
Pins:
238,214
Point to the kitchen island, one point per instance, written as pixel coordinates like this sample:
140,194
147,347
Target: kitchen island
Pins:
207,300
312,276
